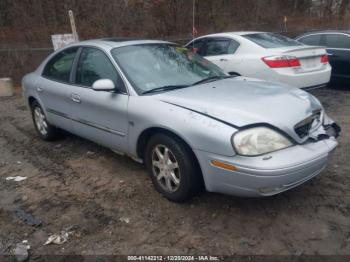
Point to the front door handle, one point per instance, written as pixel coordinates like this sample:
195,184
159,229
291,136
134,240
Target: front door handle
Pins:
223,60
75,98
39,89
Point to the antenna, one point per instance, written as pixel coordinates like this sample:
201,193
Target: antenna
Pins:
285,20
193,20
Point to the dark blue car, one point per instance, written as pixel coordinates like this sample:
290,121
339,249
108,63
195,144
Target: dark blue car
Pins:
338,48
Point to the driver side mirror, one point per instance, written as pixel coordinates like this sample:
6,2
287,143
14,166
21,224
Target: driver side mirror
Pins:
103,85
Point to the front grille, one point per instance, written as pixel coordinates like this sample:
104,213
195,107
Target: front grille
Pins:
303,128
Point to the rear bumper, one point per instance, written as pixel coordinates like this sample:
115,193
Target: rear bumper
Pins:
302,80
269,174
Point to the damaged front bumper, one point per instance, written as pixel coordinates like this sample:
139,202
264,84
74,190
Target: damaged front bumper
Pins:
272,173
332,130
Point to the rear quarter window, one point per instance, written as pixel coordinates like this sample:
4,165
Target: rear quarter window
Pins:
270,40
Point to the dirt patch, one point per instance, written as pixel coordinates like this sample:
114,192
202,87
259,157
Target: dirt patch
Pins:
112,206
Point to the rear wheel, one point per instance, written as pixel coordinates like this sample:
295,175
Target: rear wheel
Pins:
173,168
44,129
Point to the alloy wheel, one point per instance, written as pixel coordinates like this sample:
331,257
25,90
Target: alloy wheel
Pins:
40,121
166,168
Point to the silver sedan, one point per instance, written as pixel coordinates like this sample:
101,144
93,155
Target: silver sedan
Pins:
192,125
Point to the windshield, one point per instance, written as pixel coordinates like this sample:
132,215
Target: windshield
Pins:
270,40
153,66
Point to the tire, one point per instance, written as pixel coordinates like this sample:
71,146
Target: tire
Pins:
234,74
187,173
44,129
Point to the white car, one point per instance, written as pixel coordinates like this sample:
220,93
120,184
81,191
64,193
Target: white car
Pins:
266,56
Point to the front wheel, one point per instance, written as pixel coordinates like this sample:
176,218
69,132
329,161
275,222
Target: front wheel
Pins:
44,129
173,168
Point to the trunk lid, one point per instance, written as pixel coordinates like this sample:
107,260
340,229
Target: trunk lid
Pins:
309,56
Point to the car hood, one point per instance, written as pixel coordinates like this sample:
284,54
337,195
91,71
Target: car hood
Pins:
240,102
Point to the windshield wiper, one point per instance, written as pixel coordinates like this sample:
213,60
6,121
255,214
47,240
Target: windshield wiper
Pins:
208,79
213,78
164,88
173,87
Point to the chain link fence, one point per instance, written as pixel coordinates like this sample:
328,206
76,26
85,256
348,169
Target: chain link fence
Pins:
16,62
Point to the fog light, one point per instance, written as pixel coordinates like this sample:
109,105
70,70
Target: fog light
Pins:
223,165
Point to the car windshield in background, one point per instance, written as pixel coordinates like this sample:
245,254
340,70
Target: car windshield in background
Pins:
271,40
163,67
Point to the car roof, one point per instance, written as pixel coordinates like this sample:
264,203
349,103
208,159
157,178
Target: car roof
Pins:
325,32
239,33
245,32
113,42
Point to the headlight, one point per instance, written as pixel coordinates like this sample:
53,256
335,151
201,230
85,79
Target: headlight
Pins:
258,141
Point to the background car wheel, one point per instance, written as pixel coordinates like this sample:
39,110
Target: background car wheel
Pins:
234,74
173,168
42,126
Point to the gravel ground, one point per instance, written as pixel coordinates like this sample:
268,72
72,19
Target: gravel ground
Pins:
109,204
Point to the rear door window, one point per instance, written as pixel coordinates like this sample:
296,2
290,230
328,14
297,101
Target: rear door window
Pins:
233,46
221,46
59,67
337,41
271,40
311,40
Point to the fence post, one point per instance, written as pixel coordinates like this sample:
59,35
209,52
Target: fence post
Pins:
73,26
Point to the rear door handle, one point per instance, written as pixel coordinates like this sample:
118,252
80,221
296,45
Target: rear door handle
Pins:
39,89
75,98
223,59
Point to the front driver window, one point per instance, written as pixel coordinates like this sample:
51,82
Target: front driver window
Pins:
94,65
198,47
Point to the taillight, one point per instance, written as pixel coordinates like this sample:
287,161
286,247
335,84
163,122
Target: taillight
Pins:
324,59
281,61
